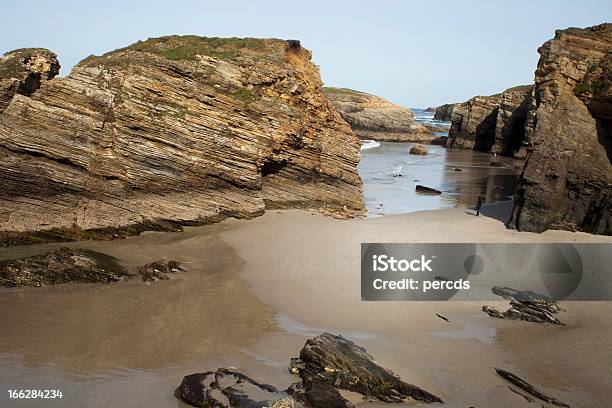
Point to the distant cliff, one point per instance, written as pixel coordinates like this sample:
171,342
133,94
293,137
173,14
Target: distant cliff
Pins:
373,117
567,180
444,112
493,123
169,131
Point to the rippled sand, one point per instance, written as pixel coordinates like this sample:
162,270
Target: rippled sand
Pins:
257,289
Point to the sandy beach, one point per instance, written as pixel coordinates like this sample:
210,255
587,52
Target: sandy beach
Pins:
257,289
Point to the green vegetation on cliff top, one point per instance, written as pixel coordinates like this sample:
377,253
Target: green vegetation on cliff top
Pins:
184,48
11,63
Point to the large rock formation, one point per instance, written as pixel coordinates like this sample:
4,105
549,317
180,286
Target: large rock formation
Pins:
22,71
168,131
493,123
566,183
373,117
444,112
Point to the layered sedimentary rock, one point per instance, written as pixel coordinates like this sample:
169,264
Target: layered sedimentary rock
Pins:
566,183
170,131
494,123
473,124
373,117
444,112
514,105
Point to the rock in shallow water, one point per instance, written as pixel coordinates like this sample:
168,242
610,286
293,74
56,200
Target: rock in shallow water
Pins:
61,266
159,270
426,190
418,150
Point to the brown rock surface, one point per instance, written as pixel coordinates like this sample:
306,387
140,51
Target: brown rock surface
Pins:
23,70
373,117
444,112
172,131
492,123
566,183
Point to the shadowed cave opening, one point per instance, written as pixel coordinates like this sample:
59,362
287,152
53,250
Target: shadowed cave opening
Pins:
272,167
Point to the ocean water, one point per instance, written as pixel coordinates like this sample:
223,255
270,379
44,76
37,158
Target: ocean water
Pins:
390,175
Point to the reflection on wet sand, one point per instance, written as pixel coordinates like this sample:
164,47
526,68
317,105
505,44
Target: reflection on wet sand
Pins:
391,174
87,328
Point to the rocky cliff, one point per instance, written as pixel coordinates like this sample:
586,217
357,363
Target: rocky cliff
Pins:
444,112
566,183
373,117
167,132
492,123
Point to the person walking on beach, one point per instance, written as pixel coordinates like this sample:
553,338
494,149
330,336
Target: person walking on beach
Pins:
478,205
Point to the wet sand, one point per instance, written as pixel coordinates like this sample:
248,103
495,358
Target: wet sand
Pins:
390,175
257,289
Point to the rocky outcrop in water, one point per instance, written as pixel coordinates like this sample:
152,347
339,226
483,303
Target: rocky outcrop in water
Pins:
444,112
62,266
493,123
567,180
373,117
168,132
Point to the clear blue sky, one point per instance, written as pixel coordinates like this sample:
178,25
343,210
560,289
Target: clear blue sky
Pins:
415,53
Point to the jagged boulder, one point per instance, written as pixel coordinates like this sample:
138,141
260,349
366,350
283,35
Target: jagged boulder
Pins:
372,117
23,70
336,361
172,131
327,364
227,387
567,180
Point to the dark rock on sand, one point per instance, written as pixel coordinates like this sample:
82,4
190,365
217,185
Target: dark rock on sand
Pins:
159,270
426,190
329,360
567,179
61,266
226,387
327,364
526,305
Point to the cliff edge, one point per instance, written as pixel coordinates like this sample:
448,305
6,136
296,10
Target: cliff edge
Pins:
373,117
567,179
166,132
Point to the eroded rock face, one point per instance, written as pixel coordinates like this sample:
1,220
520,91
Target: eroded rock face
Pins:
566,183
444,112
494,124
227,387
22,71
338,362
373,117
173,131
